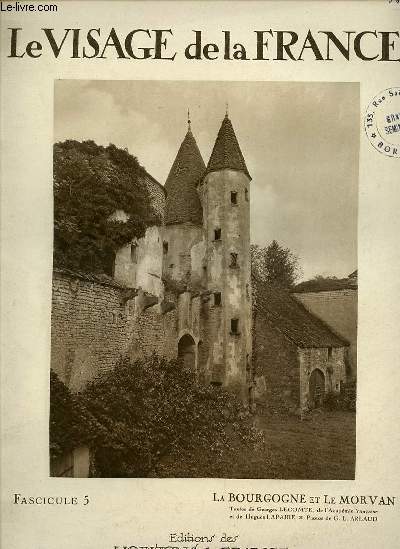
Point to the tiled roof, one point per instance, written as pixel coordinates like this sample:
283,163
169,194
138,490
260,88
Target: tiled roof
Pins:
289,316
226,152
183,202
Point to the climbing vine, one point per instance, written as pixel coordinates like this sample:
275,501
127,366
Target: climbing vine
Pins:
91,183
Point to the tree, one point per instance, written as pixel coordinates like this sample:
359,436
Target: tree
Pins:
330,282
91,182
275,264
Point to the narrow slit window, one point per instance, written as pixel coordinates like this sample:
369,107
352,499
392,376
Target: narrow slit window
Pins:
329,352
217,234
134,253
217,299
234,326
234,260
165,247
234,197
246,195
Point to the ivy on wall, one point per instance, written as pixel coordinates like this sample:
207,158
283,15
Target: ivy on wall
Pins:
91,182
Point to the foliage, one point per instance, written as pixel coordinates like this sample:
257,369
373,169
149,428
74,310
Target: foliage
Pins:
150,418
319,283
66,419
345,400
91,182
331,401
274,264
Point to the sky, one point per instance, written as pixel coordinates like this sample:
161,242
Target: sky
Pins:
300,141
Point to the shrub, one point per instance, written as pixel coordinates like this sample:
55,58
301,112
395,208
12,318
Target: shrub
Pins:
67,419
331,401
345,400
150,418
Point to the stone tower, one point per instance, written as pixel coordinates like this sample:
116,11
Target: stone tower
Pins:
184,217
224,193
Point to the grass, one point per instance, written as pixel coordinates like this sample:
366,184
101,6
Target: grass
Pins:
321,447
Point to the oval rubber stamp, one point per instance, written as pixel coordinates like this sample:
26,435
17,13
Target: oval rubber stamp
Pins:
382,122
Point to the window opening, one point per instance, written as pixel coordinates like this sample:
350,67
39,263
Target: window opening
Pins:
234,326
134,253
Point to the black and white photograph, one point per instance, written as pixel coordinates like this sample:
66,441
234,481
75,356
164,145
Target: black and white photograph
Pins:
204,298
199,274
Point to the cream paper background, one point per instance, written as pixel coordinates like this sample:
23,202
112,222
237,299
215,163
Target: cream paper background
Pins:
144,511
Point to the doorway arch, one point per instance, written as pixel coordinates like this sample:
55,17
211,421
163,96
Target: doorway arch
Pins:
316,388
187,352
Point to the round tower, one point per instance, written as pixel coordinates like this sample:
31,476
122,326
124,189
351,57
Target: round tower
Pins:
225,196
184,216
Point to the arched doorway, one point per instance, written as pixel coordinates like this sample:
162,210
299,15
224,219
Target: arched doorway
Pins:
187,352
316,388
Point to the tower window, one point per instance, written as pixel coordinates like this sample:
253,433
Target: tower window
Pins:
329,352
217,299
165,247
234,260
246,195
217,234
134,253
234,197
234,326
216,383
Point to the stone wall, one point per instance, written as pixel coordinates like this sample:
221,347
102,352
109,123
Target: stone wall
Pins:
95,323
275,367
330,361
211,354
139,263
338,309
157,195
178,241
227,271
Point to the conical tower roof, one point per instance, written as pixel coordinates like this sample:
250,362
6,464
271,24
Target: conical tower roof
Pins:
226,152
183,202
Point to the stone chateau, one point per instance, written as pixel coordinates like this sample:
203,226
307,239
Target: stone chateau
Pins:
185,289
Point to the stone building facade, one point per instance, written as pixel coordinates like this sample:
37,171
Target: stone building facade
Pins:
296,357
336,305
185,289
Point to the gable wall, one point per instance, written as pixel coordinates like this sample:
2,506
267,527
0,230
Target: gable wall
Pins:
338,309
